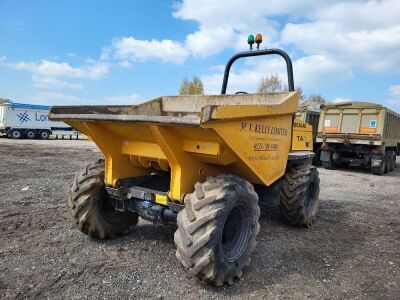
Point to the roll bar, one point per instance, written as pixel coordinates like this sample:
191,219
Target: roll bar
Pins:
280,52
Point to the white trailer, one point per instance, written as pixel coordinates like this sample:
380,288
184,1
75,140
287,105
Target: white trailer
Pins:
18,120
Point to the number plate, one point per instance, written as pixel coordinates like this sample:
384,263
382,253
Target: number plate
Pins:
140,194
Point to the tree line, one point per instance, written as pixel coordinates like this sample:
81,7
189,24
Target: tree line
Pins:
267,84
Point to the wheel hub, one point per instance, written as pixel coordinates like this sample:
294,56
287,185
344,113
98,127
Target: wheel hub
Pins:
236,233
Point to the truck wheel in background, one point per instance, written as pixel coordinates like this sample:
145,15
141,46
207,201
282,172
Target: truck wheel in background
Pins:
217,229
300,194
91,208
329,164
379,170
44,134
16,134
387,162
30,134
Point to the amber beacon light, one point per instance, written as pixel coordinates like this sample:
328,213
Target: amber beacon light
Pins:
258,40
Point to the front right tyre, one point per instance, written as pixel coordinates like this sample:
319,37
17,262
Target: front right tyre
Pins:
91,208
217,229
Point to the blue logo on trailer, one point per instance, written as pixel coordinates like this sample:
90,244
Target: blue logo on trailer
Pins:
23,117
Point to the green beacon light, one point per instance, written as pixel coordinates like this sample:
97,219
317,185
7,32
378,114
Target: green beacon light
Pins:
250,41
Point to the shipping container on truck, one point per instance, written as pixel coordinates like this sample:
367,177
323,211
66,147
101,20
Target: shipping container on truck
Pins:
18,120
312,117
359,134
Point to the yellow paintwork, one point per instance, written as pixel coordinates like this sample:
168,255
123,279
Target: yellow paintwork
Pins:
302,139
252,141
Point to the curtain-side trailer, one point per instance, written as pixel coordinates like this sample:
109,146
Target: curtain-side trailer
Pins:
18,120
359,134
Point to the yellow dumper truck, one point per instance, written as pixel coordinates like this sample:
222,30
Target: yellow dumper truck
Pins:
359,134
195,160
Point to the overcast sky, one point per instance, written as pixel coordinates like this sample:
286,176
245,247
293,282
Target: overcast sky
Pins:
118,52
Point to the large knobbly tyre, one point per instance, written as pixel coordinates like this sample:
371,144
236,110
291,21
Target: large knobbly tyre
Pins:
91,207
300,194
217,229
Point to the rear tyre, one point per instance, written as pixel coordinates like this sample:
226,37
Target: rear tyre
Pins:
30,134
16,134
387,162
300,195
330,164
392,161
91,208
44,134
217,229
379,170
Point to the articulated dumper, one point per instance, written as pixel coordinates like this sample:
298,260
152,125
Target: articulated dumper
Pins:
359,134
194,161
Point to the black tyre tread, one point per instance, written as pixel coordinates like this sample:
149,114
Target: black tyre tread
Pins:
83,202
294,188
198,227
377,171
329,165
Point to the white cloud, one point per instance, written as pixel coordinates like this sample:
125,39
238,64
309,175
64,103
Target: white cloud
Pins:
51,82
341,100
361,35
144,50
125,64
72,54
63,69
357,39
394,96
209,41
51,74
394,90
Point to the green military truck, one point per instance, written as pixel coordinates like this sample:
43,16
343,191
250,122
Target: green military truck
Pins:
312,118
359,134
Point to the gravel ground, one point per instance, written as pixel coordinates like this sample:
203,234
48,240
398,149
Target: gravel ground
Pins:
352,252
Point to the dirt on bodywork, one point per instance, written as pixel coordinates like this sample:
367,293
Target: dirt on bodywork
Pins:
351,252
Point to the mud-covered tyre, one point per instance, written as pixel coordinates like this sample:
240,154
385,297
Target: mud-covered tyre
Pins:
300,195
91,208
217,229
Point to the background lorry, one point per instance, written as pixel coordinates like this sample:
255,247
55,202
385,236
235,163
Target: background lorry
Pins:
359,134
194,160
30,121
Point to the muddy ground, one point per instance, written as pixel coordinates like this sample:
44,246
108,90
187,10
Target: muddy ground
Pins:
352,252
